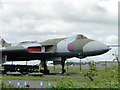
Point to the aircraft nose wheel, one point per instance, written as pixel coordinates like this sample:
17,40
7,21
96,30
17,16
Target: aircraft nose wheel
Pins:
62,71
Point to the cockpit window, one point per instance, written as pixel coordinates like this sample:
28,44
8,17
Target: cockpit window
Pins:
80,36
74,37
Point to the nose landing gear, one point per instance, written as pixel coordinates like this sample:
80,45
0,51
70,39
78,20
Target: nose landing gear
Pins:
62,71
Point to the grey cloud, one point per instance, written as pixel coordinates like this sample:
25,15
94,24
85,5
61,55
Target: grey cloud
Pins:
92,13
97,8
41,21
60,18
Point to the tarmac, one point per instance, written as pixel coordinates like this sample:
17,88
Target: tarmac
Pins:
36,83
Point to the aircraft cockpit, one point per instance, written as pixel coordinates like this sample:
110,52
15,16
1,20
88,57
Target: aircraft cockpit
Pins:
80,36
74,37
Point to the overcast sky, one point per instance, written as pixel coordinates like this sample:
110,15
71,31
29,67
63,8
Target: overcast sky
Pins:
39,20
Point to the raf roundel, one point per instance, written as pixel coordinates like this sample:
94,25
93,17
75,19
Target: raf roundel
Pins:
70,47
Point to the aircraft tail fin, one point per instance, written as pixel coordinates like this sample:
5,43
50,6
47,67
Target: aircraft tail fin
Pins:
3,43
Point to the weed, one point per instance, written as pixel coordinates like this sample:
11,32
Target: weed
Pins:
92,72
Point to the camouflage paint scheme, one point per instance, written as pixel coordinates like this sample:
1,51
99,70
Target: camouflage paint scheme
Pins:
53,48
56,50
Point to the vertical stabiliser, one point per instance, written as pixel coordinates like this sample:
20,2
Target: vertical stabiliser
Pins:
3,43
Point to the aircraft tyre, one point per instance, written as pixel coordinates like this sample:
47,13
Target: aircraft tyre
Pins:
62,71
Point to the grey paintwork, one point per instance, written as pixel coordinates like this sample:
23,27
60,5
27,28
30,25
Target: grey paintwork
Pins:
56,49
94,46
62,45
31,45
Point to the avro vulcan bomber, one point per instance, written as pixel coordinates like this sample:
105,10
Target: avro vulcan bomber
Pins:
56,50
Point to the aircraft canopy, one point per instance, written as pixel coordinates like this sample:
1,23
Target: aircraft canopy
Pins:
80,36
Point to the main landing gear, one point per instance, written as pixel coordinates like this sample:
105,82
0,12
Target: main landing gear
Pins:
45,71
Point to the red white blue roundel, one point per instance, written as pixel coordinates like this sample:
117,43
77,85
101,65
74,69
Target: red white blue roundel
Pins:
70,47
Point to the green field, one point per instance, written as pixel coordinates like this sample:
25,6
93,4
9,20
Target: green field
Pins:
0,80
98,78
1,68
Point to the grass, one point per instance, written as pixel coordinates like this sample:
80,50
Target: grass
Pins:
0,80
1,68
62,78
103,79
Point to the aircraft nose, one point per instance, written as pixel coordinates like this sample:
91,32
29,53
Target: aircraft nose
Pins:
95,48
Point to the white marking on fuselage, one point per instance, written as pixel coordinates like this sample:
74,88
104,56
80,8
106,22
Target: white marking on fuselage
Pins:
31,45
62,45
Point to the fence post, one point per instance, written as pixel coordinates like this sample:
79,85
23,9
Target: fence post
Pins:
106,66
67,65
54,67
80,64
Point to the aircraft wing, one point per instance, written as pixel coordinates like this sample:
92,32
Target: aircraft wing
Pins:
22,51
27,52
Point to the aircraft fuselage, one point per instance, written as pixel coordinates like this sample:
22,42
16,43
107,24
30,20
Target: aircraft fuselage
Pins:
75,46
